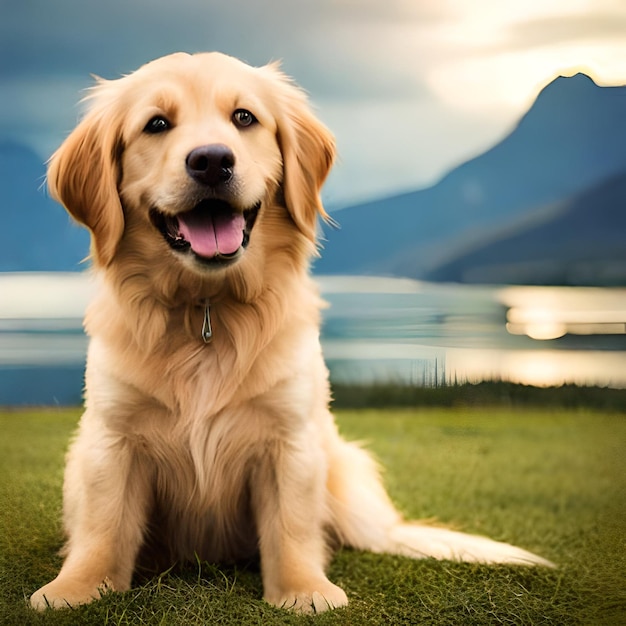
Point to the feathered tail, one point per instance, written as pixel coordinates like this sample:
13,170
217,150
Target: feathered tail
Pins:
419,541
364,518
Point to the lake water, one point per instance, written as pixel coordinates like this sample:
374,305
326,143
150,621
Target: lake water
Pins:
375,329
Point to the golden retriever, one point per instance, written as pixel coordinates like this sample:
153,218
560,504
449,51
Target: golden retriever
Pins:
206,428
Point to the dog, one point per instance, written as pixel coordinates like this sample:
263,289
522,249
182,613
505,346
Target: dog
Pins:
206,431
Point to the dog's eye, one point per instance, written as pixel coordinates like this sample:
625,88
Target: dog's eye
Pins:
158,124
243,118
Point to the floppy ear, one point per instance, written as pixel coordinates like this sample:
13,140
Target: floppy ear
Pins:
83,175
308,150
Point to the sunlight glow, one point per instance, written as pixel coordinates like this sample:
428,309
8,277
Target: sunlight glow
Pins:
542,368
513,80
545,314
503,53
540,330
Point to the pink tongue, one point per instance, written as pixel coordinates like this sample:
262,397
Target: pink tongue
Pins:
210,235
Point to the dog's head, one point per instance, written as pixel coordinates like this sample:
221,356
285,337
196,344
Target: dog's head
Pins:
193,150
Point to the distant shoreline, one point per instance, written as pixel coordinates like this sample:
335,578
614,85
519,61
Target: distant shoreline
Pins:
486,393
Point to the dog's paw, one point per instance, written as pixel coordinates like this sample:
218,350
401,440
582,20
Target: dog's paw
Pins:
60,594
324,597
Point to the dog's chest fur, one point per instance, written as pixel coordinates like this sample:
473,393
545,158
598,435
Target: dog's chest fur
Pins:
201,426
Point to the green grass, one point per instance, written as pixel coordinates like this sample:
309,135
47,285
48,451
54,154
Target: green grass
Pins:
550,480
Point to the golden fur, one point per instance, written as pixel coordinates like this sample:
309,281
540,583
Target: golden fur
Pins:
226,449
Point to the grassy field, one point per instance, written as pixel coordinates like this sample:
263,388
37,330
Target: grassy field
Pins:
550,480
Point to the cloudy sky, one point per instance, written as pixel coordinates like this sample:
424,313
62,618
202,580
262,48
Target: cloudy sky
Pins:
410,88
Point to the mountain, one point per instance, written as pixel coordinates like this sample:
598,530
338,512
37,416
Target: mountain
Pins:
37,233
572,138
581,242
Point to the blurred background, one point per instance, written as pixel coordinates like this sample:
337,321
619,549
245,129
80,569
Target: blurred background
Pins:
480,189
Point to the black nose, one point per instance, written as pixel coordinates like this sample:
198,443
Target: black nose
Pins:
211,165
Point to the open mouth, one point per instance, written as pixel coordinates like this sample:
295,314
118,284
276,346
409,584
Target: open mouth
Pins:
214,231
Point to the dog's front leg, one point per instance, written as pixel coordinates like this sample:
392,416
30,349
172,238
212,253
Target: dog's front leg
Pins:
289,502
105,504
